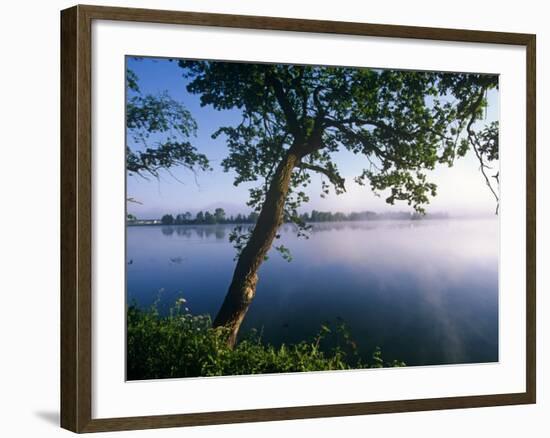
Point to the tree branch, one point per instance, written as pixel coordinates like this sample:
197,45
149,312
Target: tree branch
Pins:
376,123
368,146
331,174
285,104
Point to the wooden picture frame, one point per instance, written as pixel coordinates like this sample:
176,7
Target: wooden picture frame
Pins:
76,218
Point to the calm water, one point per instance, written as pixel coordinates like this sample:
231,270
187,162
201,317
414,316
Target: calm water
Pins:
426,292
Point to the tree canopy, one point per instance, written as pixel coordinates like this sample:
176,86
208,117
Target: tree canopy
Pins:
403,123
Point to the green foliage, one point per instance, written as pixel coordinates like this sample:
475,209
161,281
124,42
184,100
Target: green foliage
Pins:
186,345
167,219
183,218
169,122
285,252
209,218
219,215
239,237
132,80
488,141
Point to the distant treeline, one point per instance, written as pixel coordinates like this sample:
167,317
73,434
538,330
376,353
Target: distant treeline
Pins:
207,218
219,217
329,216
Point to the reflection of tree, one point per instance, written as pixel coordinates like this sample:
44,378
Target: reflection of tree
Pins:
183,231
167,230
217,232
220,233
198,231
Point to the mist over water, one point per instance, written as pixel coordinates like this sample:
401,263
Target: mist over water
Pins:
425,291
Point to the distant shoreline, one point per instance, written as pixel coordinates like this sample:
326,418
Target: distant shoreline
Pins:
382,219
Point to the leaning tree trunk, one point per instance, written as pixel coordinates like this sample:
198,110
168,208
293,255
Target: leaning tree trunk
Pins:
243,285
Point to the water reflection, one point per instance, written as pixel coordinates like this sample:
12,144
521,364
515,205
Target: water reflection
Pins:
424,291
167,231
320,227
220,231
195,231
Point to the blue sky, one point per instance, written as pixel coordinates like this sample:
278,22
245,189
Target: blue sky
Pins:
461,189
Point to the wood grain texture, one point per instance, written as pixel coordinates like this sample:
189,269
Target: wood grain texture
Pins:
299,25
297,413
76,252
69,330
531,219
76,221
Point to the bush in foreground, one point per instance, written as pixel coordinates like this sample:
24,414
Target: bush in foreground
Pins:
185,345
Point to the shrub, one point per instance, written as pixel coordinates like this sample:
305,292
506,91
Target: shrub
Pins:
185,345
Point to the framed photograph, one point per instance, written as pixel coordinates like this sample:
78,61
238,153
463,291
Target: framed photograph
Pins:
269,219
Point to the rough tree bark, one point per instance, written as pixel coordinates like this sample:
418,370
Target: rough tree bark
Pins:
243,285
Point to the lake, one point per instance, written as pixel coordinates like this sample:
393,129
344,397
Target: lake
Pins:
425,291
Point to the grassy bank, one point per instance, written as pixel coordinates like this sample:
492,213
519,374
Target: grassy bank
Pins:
186,345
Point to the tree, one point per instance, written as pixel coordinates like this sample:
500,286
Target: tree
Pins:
219,215
294,118
209,218
169,122
167,219
199,218
182,218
